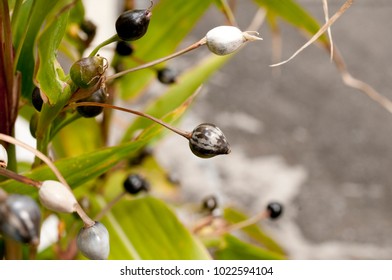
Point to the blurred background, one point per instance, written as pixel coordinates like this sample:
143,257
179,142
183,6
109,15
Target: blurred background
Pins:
300,136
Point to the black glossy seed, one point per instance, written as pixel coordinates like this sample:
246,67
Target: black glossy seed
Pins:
124,48
98,96
207,141
132,25
275,210
167,76
36,99
20,219
210,203
135,183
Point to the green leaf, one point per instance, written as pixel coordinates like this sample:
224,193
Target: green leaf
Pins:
171,21
82,136
50,73
32,15
150,231
293,13
176,94
235,249
254,231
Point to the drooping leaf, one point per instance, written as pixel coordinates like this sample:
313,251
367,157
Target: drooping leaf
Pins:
235,249
50,74
33,14
170,19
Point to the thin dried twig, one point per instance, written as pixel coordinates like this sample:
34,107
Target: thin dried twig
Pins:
331,21
326,13
350,81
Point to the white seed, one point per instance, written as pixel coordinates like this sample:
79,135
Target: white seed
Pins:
3,157
57,197
223,40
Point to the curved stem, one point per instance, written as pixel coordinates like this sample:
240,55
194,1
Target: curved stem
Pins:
248,222
163,59
20,178
112,39
185,134
88,222
44,158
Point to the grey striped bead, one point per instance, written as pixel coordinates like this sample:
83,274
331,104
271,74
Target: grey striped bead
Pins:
207,141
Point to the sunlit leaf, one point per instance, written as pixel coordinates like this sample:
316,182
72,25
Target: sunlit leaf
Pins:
151,231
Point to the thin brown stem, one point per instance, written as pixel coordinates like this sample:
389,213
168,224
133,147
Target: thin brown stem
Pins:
109,206
185,134
155,62
37,153
88,222
20,178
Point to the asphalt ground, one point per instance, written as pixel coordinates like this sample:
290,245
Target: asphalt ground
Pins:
300,136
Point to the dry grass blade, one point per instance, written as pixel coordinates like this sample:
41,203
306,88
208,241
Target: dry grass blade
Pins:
228,12
326,13
350,81
331,21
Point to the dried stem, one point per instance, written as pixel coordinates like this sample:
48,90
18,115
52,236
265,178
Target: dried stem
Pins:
176,130
326,13
155,62
37,153
331,21
87,221
360,85
20,178
109,206
85,218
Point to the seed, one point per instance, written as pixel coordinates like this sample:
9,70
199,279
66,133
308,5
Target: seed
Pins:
86,72
36,99
135,183
132,25
275,210
223,40
20,219
99,96
207,141
210,203
124,48
167,76
93,242
57,197
3,157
